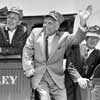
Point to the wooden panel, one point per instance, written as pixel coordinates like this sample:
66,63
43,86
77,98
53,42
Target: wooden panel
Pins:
13,83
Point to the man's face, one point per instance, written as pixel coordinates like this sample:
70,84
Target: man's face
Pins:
13,20
50,26
92,41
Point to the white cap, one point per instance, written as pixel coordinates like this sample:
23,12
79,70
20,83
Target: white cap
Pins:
92,34
93,31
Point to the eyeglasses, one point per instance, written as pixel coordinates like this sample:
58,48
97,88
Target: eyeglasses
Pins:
93,29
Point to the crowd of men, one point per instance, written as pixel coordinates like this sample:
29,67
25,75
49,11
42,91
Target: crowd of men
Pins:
43,53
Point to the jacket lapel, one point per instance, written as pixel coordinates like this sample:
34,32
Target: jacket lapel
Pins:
16,35
91,58
6,36
56,43
41,44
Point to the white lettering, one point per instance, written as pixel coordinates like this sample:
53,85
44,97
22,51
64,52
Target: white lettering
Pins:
8,80
5,80
13,79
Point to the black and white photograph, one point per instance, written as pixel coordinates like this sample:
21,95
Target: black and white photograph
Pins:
49,49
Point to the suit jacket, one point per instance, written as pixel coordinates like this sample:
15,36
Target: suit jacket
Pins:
18,40
75,67
80,68
34,55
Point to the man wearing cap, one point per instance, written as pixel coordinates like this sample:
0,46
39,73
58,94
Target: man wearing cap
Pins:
12,34
43,55
82,61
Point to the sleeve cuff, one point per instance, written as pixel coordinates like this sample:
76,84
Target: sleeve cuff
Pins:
84,29
28,65
29,62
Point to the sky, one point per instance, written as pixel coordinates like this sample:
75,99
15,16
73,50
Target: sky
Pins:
42,7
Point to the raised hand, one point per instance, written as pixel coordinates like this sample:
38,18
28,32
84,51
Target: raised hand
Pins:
84,15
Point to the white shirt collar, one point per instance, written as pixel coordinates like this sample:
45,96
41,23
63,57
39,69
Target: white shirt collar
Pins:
11,34
50,38
90,50
6,28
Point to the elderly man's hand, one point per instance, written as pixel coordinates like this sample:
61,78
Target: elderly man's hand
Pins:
29,73
83,82
84,15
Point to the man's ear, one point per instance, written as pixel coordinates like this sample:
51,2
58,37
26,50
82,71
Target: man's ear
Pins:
57,25
25,29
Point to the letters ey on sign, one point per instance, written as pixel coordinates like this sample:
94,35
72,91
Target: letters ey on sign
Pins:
13,83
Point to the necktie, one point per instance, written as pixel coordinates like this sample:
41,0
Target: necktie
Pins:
46,48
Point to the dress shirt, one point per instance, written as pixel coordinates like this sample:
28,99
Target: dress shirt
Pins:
89,51
50,40
11,34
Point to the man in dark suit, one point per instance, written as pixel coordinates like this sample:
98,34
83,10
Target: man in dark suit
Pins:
44,63
82,61
12,34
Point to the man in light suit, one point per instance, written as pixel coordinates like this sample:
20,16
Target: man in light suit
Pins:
46,69
82,61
